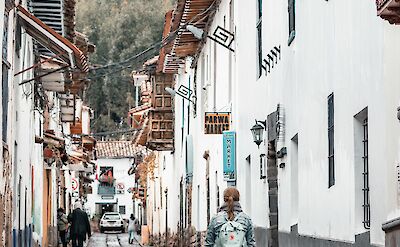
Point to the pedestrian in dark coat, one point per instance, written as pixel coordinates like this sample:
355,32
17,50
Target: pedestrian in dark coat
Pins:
80,226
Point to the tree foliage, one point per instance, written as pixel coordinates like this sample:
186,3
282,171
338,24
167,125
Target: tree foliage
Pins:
119,29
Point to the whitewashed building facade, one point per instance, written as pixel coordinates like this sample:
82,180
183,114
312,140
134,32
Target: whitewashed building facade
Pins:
323,77
115,193
34,127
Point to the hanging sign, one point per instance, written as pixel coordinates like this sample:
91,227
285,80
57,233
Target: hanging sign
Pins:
229,155
217,122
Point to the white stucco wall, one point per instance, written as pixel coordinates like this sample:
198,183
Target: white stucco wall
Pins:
21,122
340,47
120,170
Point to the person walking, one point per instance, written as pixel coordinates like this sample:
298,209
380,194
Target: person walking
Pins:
231,226
62,225
132,228
80,226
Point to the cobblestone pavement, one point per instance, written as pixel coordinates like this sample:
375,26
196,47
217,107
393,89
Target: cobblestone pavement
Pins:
111,240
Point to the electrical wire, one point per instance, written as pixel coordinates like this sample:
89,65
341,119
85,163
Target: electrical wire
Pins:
158,45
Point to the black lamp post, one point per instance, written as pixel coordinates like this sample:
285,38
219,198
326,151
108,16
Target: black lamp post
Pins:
258,131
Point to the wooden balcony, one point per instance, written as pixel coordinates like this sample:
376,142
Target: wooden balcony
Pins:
389,10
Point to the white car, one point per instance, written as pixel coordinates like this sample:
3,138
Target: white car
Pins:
112,222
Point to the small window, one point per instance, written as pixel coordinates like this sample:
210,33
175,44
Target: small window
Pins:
292,22
5,37
4,83
331,149
259,38
122,209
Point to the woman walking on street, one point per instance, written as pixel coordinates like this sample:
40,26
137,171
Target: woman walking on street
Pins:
62,225
132,228
230,227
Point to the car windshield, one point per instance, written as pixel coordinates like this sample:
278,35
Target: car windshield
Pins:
111,217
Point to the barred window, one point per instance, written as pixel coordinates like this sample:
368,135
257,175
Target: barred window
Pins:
259,38
292,22
331,145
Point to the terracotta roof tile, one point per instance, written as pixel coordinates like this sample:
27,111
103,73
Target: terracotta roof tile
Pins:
116,149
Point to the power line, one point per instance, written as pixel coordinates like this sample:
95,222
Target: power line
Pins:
116,132
158,45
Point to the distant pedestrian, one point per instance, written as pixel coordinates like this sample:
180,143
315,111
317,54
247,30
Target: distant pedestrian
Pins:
230,227
80,226
62,225
132,228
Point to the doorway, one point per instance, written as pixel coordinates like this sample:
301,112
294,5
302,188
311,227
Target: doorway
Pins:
272,178
103,208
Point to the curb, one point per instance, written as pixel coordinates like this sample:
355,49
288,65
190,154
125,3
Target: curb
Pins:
137,241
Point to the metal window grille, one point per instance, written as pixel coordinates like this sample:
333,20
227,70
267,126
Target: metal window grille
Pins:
5,37
331,149
292,22
4,100
366,204
259,38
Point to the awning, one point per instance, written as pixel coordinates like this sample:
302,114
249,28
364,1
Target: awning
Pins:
53,41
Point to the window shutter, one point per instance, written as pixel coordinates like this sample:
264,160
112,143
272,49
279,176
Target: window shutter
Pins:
291,10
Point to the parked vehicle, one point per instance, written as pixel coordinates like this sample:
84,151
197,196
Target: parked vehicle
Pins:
112,222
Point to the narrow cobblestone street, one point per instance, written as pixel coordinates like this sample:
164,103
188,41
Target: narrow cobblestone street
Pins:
111,240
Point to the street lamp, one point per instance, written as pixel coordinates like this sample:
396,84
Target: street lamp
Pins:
197,32
220,35
182,91
170,91
258,131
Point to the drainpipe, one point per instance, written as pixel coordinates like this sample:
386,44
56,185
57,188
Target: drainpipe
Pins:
166,216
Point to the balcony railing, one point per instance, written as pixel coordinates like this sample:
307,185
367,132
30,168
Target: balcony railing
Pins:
106,190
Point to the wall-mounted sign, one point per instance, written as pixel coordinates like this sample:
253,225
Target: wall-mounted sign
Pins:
229,155
107,197
217,122
74,184
120,186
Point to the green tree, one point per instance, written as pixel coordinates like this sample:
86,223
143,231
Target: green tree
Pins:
119,29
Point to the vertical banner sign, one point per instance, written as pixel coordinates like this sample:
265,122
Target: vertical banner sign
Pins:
229,155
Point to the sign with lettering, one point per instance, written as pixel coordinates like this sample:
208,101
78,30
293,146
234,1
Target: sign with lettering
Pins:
217,122
229,155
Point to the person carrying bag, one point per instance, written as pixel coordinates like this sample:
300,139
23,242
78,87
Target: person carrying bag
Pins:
230,227
62,225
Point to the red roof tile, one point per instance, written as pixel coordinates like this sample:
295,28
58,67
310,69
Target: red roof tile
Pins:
117,149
